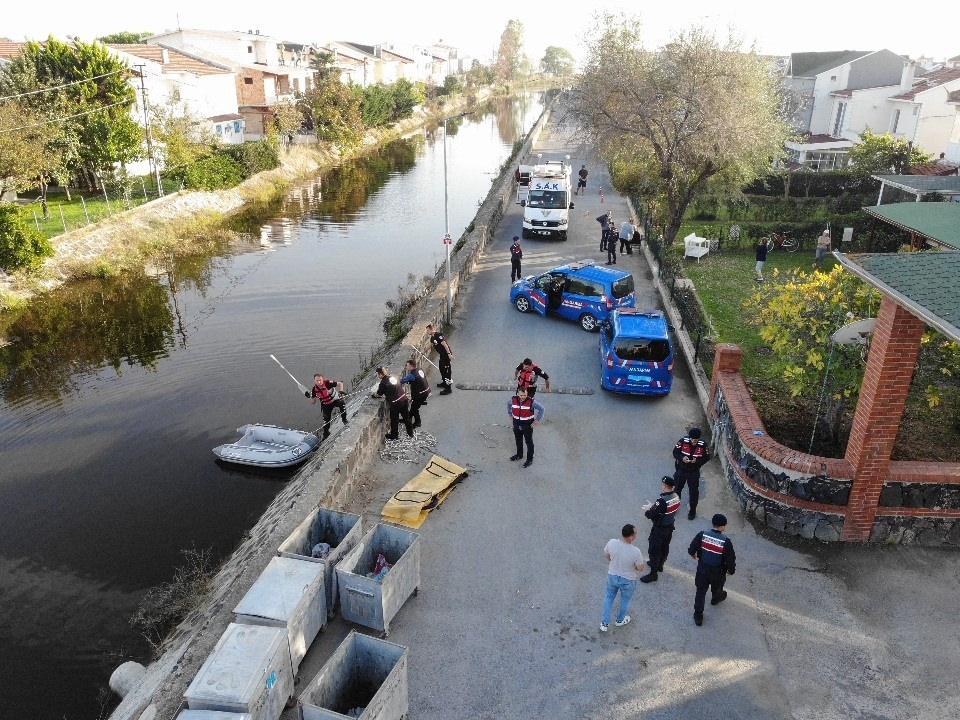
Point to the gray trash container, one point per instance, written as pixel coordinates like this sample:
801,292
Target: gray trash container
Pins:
211,715
288,594
338,529
363,673
366,601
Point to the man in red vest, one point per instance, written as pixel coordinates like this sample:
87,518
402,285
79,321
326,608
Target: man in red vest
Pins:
527,373
525,412
689,454
328,393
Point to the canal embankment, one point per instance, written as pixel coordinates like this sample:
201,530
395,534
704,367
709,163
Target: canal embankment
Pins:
181,222
329,480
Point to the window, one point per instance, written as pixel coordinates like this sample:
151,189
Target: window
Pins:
296,85
248,81
644,350
250,48
548,199
589,288
896,121
236,126
841,116
833,78
545,282
219,130
623,286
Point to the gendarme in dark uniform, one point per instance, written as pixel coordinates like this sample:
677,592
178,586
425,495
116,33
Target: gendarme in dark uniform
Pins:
392,391
419,390
715,560
690,454
440,344
662,512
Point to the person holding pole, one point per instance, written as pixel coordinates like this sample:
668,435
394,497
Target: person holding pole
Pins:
440,344
392,391
328,393
419,389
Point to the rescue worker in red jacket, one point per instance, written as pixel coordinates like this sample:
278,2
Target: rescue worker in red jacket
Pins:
663,512
419,390
716,559
392,391
328,393
527,373
516,255
524,411
690,454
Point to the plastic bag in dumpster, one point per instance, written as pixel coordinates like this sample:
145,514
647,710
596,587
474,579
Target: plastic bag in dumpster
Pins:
380,568
320,550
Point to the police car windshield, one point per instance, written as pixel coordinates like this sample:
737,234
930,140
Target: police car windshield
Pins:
623,286
547,199
643,350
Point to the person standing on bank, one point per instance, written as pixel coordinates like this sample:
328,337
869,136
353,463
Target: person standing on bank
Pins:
525,413
611,242
761,255
605,222
823,247
626,237
442,347
527,373
625,565
689,454
516,255
327,392
582,182
391,389
715,560
419,390
662,512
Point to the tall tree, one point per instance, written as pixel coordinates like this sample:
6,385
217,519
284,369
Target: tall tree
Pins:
883,154
692,113
32,151
510,53
557,61
334,112
87,92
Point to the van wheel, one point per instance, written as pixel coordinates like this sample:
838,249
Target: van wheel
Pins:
525,234
588,322
563,234
522,304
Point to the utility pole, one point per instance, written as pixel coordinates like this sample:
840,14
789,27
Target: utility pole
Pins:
447,240
154,166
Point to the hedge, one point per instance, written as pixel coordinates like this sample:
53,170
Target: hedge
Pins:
21,244
255,156
813,184
216,172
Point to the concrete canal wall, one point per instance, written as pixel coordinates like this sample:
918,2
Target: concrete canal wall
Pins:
328,480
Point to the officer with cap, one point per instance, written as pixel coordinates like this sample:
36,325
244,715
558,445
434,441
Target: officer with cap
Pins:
662,512
397,403
690,454
716,559
516,255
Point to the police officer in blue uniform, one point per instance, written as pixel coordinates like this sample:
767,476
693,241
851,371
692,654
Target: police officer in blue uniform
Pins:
662,512
716,559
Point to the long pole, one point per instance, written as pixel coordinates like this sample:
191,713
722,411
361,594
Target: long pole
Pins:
446,225
154,167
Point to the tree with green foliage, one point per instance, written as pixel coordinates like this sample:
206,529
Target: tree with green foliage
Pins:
125,38
180,137
21,244
510,52
406,97
451,85
95,113
335,113
32,151
323,69
557,61
693,114
378,105
287,119
884,154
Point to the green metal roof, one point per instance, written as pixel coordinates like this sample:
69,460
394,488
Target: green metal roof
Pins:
922,183
936,221
925,283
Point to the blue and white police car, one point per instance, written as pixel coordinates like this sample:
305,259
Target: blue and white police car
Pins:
583,291
636,355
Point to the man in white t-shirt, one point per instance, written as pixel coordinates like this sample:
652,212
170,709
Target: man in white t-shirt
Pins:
626,566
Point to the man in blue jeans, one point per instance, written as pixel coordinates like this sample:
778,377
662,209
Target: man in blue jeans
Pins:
626,565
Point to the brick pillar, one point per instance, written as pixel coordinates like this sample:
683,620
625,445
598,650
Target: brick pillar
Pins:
886,383
727,358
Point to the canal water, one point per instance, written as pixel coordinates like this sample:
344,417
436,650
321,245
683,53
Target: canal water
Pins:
113,392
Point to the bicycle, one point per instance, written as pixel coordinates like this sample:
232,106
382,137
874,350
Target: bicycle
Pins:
782,241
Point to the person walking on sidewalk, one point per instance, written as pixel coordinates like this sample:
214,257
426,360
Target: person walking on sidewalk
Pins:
527,373
419,390
328,393
516,255
625,565
626,237
689,454
761,255
663,512
391,389
442,347
525,413
715,560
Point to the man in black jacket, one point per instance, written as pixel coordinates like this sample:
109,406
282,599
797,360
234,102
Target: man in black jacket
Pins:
690,454
715,560
662,512
392,391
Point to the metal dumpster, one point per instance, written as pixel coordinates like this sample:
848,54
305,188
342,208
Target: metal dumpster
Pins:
288,594
363,673
338,529
211,715
247,672
366,601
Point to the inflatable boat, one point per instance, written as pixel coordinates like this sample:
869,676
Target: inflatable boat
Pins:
268,446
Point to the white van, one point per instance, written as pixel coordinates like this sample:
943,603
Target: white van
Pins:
547,207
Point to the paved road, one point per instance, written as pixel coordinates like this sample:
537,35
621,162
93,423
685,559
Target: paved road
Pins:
506,623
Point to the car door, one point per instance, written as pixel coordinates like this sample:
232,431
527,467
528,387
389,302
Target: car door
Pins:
538,293
575,298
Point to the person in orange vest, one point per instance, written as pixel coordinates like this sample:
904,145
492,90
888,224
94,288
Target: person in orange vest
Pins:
525,413
715,560
527,373
690,454
663,512
327,392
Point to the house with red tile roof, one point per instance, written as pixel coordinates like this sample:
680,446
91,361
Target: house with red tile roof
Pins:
923,112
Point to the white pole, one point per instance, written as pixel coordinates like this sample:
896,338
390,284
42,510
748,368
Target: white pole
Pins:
446,225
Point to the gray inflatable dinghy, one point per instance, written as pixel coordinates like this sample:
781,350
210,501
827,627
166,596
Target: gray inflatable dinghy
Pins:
268,446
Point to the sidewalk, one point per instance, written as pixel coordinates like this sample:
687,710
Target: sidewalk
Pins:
506,621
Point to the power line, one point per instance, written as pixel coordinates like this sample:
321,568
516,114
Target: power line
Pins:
57,87
63,119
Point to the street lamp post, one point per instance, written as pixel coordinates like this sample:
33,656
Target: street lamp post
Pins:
447,241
